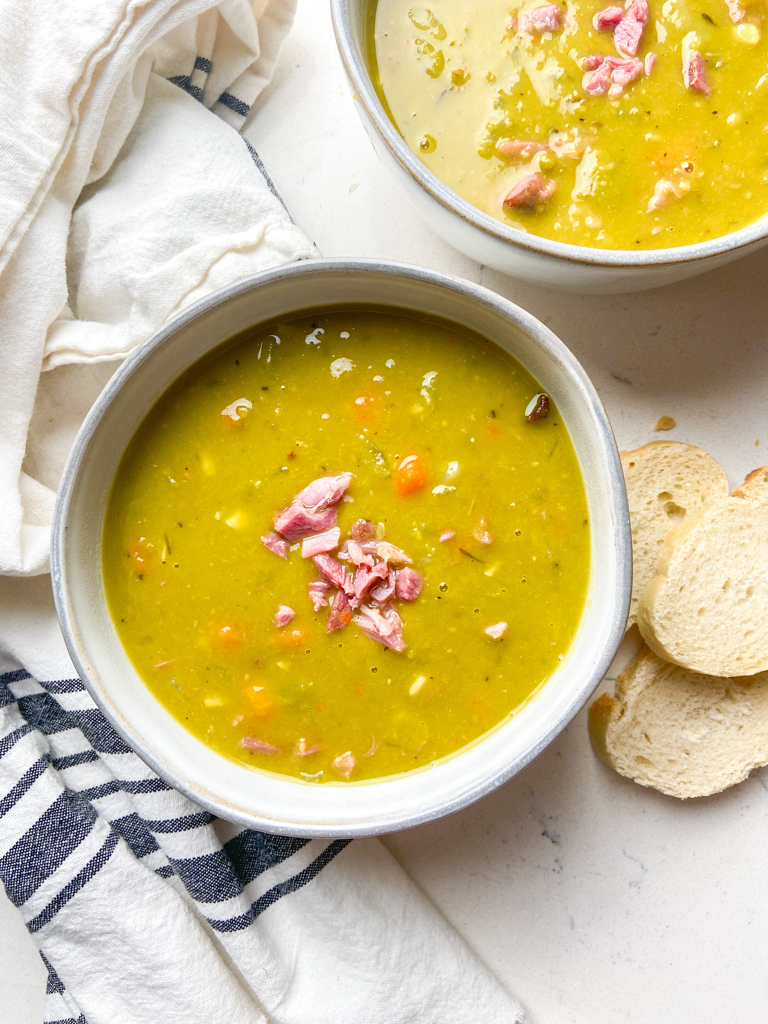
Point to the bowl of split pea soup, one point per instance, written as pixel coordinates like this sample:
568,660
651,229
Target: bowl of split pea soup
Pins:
343,547
584,145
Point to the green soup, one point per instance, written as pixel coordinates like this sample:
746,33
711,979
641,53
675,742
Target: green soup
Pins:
428,422
539,127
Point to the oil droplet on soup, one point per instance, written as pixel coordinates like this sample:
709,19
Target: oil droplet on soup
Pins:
381,445
639,126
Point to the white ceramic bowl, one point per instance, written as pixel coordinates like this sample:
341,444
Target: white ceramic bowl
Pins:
260,799
489,241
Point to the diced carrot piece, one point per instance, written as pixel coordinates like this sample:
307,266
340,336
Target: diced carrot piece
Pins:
411,475
260,700
364,408
493,430
141,557
228,636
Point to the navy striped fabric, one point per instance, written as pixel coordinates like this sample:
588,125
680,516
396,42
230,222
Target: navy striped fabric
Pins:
194,84
71,791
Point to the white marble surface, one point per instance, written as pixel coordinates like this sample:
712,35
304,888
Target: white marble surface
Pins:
593,899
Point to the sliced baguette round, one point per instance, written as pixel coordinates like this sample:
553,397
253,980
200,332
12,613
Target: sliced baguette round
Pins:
680,732
667,483
707,607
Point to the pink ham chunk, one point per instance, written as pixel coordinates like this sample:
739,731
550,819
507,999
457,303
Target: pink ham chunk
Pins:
340,614
383,625
408,585
384,590
275,543
356,553
320,542
260,746
511,148
366,578
629,32
624,72
389,552
609,74
313,510
297,522
541,19
304,749
362,530
344,764
447,535
335,573
608,18
530,192
694,73
593,61
318,593
324,492
283,615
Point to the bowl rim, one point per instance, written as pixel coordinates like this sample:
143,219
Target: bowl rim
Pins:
616,505
360,79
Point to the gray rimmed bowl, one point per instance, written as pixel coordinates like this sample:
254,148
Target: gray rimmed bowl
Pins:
261,799
489,241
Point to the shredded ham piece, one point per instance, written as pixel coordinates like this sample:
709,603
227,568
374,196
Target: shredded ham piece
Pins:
383,625
313,510
344,764
408,584
370,586
321,542
530,192
260,746
284,615
273,542
609,74
318,593
541,19
608,18
363,530
629,32
694,73
303,749
511,148
341,613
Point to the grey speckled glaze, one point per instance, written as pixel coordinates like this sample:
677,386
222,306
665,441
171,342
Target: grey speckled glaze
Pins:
489,241
256,798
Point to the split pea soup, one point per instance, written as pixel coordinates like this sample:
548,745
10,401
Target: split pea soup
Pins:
347,544
635,126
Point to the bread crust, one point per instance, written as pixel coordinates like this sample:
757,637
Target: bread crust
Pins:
679,732
716,562
667,482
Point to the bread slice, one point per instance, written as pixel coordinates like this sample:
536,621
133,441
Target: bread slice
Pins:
680,732
707,607
667,483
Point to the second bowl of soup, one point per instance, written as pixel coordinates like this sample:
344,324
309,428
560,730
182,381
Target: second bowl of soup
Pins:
599,147
341,544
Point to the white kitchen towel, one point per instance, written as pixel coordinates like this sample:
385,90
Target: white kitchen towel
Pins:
123,199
